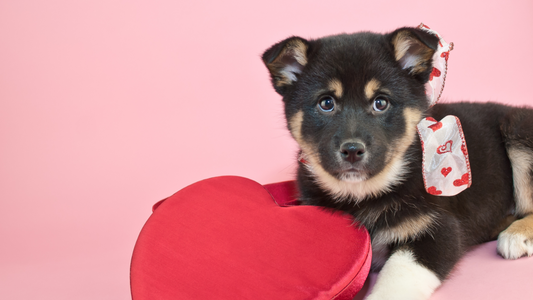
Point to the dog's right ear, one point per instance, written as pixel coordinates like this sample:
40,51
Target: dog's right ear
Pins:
414,49
285,61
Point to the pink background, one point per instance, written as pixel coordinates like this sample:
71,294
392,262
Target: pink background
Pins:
108,106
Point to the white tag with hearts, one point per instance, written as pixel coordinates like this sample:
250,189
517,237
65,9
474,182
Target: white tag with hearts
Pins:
445,163
437,78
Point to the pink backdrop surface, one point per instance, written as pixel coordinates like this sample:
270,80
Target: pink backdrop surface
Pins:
109,106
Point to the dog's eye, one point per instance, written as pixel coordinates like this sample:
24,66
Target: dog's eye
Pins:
381,103
327,103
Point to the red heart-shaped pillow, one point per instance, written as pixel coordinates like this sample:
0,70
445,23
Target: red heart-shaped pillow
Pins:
226,238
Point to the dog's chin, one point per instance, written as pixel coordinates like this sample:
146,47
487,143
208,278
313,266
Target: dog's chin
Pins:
352,176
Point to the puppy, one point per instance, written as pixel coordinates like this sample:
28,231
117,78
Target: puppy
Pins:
352,102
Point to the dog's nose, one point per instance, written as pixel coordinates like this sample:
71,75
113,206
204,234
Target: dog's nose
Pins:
352,152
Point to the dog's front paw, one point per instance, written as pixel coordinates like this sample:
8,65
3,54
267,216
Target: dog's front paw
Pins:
403,278
517,240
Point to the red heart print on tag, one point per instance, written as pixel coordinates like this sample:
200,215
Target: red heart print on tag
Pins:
445,148
434,73
446,171
435,126
433,191
464,180
445,55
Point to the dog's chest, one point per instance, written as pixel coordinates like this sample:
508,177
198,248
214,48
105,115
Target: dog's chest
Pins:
399,231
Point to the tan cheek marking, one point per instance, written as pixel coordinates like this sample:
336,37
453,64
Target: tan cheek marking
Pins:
371,87
412,117
295,125
336,86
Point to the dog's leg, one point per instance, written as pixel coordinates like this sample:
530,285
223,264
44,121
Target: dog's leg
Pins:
517,240
402,277
417,268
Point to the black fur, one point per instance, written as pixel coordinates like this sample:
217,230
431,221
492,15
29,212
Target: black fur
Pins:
474,216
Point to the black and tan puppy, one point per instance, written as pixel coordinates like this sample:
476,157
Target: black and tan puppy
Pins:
352,103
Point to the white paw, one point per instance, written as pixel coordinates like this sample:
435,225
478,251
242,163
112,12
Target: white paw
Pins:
403,278
514,245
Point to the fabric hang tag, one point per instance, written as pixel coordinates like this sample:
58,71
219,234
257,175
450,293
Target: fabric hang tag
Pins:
437,78
445,163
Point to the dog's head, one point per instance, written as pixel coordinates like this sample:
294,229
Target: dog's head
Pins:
352,103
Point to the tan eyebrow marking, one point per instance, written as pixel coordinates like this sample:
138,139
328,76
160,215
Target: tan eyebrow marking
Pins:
371,87
336,86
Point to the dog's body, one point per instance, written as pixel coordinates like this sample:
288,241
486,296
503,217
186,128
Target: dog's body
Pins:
352,103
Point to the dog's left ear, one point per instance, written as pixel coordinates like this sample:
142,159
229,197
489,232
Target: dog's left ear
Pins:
414,49
285,61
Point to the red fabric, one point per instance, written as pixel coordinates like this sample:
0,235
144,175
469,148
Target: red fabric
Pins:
284,193
225,238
